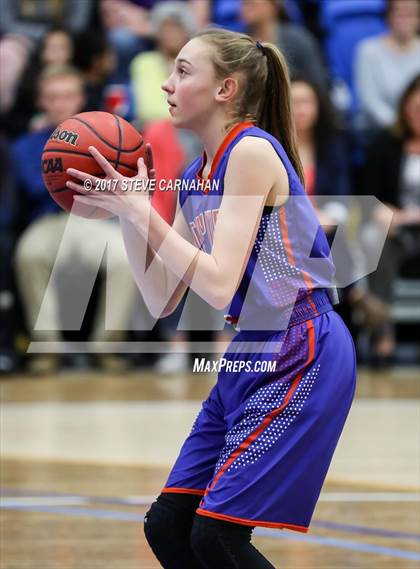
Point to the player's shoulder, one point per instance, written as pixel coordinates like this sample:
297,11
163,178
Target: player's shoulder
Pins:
256,154
255,158
252,148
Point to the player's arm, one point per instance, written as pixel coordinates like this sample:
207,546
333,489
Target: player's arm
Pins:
162,290
253,170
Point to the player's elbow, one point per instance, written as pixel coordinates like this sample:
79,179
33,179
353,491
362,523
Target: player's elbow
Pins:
155,308
220,298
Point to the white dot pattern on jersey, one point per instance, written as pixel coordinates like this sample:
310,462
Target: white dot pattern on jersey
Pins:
283,279
262,403
294,349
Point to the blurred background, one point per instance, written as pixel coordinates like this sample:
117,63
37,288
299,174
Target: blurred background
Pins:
355,71
87,435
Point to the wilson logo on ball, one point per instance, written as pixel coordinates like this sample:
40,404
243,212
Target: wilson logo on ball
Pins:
65,136
115,138
52,165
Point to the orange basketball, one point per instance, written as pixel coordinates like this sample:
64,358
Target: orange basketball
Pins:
67,147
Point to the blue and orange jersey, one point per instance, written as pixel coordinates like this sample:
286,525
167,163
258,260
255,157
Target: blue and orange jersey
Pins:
290,266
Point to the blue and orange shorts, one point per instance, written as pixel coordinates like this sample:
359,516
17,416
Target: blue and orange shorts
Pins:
260,448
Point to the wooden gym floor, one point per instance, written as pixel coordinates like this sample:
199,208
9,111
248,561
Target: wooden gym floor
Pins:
83,456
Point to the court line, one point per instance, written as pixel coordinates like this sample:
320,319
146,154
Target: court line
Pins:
326,496
84,512
263,532
365,530
28,501
342,544
369,497
35,498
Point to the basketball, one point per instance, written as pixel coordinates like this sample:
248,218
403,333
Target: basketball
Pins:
115,138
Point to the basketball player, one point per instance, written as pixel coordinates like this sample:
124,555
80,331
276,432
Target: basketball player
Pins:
260,448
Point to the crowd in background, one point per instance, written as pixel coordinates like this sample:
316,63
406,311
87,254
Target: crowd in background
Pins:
355,87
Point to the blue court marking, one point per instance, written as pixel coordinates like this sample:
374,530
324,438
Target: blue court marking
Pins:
342,544
263,532
83,512
364,530
88,499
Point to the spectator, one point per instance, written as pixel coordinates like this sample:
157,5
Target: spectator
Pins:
392,174
8,297
128,31
321,145
385,64
14,54
226,14
22,25
96,59
325,159
55,48
173,25
298,45
61,96
33,19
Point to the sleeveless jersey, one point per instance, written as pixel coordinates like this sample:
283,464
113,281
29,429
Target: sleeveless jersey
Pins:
290,265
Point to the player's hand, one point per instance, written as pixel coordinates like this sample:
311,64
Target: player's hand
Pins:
151,171
119,196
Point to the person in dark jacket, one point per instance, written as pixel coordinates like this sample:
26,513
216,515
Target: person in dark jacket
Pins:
8,292
301,49
392,174
324,154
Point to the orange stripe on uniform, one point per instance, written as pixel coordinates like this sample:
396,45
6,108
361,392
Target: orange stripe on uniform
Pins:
230,136
269,418
182,491
285,236
290,256
245,522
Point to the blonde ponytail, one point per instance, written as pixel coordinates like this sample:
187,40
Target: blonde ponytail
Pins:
264,85
275,112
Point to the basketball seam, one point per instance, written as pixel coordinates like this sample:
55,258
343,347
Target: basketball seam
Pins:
92,129
117,162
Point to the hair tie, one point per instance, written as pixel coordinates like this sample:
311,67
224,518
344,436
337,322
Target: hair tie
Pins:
260,47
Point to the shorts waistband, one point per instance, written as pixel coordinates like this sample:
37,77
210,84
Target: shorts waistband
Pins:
315,303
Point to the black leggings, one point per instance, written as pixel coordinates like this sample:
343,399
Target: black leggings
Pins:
180,539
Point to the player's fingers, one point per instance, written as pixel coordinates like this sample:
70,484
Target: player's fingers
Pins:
142,169
150,161
103,163
83,176
84,189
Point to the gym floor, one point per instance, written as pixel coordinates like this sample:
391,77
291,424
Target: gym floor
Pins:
84,455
